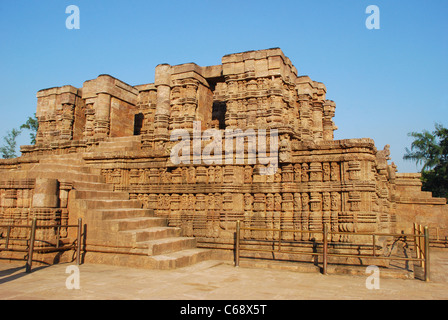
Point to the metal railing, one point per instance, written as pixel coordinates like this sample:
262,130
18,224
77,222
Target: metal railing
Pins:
437,235
421,241
32,239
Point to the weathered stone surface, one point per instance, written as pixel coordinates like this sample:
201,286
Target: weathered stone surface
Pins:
46,193
123,133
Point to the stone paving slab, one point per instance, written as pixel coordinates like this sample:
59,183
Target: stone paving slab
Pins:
213,280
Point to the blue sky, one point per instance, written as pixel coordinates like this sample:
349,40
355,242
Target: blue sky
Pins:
385,82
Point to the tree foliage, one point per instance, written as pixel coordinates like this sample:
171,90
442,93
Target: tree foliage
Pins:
431,150
8,150
31,124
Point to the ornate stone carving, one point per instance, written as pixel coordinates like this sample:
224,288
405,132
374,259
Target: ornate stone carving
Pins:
125,132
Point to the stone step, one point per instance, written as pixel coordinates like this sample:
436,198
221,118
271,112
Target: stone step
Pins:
153,233
100,195
168,261
111,204
118,143
126,139
168,245
181,259
64,167
64,160
139,223
66,176
84,186
113,214
114,149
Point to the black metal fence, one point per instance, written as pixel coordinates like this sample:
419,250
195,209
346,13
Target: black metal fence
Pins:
50,247
420,238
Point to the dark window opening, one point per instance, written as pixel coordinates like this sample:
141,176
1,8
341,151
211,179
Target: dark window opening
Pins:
138,124
219,114
213,81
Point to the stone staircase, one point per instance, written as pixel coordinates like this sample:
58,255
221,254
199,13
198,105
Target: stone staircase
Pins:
120,144
118,230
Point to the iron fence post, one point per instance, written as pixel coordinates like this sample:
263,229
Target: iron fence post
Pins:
58,236
325,249
78,245
421,244
31,246
374,245
427,263
8,232
416,239
237,244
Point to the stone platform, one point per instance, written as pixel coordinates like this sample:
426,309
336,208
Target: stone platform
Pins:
214,280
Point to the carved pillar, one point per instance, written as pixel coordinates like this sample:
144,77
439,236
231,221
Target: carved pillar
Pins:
328,124
46,193
305,174
297,172
315,171
335,209
201,175
315,222
90,120
102,115
162,113
68,118
287,215
326,171
200,216
317,121
258,218
335,174
354,170
248,211
288,173
305,215
174,217
305,117
326,209
270,208
297,215
231,117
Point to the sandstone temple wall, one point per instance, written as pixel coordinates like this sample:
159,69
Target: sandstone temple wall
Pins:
348,184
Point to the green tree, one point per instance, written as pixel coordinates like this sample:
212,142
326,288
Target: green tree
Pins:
31,124
8,150
431,150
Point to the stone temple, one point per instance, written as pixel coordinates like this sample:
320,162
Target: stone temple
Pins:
102,154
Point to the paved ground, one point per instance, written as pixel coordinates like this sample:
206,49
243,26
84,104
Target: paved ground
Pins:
212,281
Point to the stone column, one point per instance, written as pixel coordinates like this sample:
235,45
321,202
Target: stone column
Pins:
315,218
305,116
102,115
288,215
163,108
67,121
328,124
46,193
317,110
